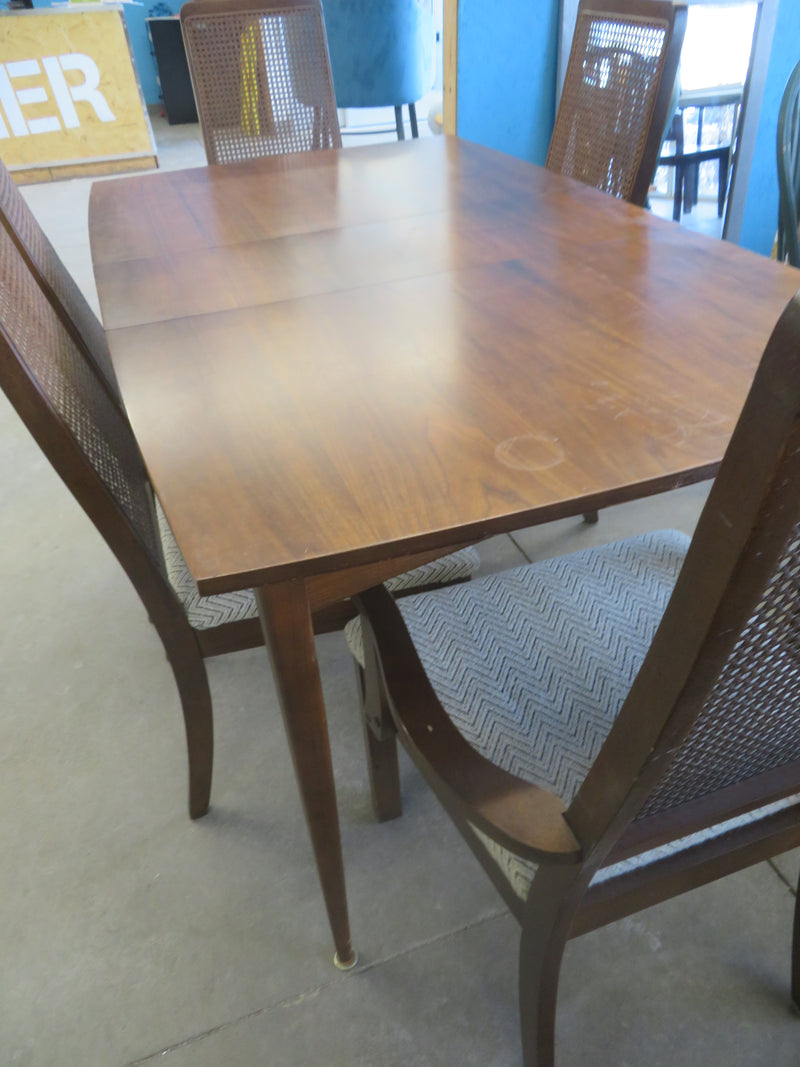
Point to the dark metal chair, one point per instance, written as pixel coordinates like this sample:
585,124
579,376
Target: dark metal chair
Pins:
617,92
261,76
789,170
613,728
687,163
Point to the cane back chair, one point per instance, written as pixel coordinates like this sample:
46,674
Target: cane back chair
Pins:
56,370
789,170
261,76
617,90
617,96
56,281
612,728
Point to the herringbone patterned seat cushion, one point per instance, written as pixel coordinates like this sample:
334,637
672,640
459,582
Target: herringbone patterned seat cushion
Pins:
534,664
205,612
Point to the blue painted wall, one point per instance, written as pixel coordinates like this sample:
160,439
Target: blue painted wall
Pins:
760,219
507,54
140,43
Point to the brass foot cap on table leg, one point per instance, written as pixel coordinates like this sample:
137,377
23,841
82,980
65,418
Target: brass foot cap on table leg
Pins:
347,965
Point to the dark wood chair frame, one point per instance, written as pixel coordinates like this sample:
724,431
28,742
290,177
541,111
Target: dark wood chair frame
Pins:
626,804
39,272
49,291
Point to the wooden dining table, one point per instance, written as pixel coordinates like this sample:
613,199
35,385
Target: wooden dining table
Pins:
344,363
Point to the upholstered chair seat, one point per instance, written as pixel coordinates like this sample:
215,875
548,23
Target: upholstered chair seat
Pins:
501,654
481,623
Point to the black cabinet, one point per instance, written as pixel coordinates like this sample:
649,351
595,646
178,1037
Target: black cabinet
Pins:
173,71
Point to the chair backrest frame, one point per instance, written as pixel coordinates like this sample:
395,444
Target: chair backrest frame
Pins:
236,89
61,394
121,506
605,159
55,280
751,515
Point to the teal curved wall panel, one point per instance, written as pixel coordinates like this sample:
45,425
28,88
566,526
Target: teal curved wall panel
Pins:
760,219
507,54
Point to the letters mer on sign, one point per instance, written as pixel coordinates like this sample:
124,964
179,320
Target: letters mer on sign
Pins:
63,94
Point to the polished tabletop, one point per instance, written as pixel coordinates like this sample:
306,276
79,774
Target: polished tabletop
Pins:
395,344
342,363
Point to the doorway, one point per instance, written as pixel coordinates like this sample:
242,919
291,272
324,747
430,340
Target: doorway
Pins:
703,68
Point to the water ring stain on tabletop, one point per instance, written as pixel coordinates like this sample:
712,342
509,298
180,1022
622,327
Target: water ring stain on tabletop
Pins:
530,452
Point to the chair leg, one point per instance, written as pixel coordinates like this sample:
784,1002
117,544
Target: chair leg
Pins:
398,121
722,187
590,517
199,724
189,670
380,743
412,114
796,952
548,914
677,197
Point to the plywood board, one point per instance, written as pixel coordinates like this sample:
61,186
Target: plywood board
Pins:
69,93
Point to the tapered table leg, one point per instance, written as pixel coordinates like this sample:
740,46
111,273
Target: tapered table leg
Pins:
286,621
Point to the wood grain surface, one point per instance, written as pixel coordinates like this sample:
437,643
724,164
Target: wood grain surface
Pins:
336,361
341,357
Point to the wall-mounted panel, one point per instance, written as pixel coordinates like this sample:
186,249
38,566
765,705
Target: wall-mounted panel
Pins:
507,56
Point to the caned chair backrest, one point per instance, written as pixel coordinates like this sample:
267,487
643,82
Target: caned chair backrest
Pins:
616,97
63,398
711,726
53,277
261,76
789,170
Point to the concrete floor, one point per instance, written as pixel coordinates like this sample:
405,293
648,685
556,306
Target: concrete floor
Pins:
131,935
